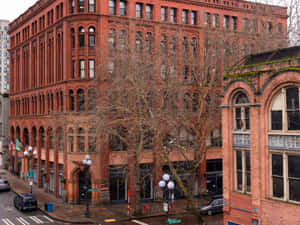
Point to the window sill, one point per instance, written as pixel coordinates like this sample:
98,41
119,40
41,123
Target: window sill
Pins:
284,201
242,193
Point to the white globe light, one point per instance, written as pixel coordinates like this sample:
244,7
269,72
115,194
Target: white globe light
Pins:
89,162
87,157
84,161
171,185
162,184
34,152
25,153
166,177
29,148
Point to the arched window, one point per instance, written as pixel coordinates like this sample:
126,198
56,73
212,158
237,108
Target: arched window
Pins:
42,137
92,100
149,40
80,140
173,44
34,136
80,6
60,139
112,38
117,140
184,45
81,33
26,136
12,134
71,140
80,101
73,37
50,135
195,105
122,39
92,6
186,101
241,112
92,39
285,109
138,41
163,44
71,100
194,46
92,140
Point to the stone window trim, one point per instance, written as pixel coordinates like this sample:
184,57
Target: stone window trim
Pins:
241,113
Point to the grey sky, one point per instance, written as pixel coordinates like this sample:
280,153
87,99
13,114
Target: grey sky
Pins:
11,9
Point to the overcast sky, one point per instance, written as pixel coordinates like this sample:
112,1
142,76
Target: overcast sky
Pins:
11,9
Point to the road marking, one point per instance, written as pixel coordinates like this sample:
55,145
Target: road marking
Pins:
7,222
139,222
23,220
35,219
20,221
49,219
109,220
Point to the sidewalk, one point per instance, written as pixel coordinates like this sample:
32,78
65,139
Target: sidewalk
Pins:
68,213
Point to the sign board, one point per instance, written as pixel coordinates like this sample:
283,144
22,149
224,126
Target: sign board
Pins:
172,221
93,189
166,207
30,174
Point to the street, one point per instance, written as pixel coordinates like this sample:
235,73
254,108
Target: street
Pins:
9,215
185,220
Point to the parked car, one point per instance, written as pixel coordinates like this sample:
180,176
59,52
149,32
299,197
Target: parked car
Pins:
215,206
25,201
4,184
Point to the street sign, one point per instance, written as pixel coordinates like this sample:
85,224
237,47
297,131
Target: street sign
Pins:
30,173
93,189
172,221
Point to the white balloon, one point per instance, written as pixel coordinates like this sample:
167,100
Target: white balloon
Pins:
166,177
162,184
171,185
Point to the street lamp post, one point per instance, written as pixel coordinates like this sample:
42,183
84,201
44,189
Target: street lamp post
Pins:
87,163
28,154
167,187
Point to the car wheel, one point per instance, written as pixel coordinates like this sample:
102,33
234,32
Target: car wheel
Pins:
209,213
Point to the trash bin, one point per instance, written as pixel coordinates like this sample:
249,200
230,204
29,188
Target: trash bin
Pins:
50,207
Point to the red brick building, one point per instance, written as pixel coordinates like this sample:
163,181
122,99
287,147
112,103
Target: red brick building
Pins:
260,121
55,47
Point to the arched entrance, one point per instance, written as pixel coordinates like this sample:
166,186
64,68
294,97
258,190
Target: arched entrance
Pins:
84,184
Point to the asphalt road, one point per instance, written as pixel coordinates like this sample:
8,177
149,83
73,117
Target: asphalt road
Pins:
185,220
9,215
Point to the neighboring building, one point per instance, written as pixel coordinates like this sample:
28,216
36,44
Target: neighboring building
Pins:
4,89
55,47
261,139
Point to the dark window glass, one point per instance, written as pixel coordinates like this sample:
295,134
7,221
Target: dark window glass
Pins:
292,98
294,189
277,173
248,172
116,142
112,7
80,6
277,167
238,118
276,120
239,170
278,187
247,118
91,40
294,168
80,101
293,118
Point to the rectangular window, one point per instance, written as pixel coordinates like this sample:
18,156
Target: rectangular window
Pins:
91,40
243,171
294,177
270,27
234,23
279,27
173,15
149,9
207,19
184,16
245,24
112,7
122,8
215,20
293,112
81,6
276,118
139,10
193,17
81,68
163,13
277,175
92,7
91,68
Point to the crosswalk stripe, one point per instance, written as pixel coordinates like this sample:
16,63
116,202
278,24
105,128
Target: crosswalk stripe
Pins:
35,219
49,219
38,219
139,222
20,221
7,222
24,221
